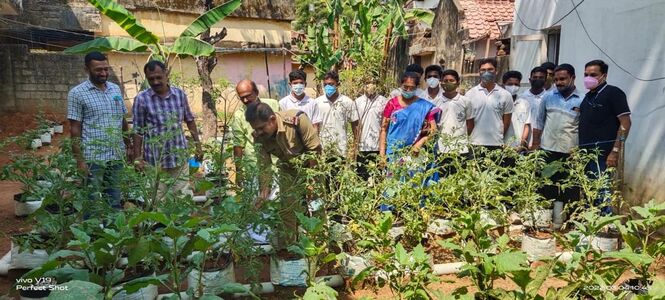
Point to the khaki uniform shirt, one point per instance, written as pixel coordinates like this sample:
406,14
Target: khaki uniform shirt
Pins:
295,136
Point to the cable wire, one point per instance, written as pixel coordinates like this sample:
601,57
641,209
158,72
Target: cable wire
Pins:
45,28
555,23
30,41
608,56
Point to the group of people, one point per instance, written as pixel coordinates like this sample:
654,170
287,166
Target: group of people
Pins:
552,115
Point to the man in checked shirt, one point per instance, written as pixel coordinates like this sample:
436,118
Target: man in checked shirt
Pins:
158,114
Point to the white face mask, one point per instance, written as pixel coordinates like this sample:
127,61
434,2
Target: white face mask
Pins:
512,89
298,89
432,82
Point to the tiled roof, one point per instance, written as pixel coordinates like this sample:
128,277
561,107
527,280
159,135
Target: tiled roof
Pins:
481,16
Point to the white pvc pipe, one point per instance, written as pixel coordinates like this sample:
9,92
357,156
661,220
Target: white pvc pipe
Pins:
264,288
4,263
448,268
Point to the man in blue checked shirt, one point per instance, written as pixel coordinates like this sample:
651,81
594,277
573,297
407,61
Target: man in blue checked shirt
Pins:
96,112
158,114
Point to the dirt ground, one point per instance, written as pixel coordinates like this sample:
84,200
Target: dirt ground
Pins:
10,224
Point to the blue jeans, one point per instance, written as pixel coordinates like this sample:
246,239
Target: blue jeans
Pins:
106,178
595,170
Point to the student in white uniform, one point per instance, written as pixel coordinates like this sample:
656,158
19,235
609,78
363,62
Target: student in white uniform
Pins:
297,99
534,95
433,76
337,112
520,124
369,108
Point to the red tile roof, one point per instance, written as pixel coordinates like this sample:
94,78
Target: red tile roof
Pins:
481,16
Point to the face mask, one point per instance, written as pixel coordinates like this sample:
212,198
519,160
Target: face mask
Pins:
590,82
329,90
298,89
512,89
449,86
408,94
487,77
537,83
432,82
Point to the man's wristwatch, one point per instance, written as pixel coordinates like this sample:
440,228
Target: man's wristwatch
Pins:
615,149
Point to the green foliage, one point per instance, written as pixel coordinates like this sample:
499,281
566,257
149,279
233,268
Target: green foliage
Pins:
210,18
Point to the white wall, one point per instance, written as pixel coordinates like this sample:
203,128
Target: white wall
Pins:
426,4
632,33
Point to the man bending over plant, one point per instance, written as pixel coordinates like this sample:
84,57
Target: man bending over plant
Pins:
287,135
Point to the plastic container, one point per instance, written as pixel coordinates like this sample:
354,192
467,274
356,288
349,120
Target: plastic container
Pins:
147,293
27,260
537,248
212,281
46,138
288,272
440,227
353,265
36,143
58,128
558,215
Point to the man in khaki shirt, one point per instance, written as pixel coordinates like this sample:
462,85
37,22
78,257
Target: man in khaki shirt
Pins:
286,135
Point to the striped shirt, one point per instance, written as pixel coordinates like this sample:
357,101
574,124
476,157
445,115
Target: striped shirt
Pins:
159,121
101,114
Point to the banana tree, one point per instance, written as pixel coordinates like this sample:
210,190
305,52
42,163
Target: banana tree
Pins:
141,39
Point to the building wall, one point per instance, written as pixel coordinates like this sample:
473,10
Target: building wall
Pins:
446,35
631,33
426,4
41,81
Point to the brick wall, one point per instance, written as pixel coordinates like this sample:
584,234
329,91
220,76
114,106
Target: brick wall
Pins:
31,82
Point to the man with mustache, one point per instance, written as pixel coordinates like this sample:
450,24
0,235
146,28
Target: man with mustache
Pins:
158,116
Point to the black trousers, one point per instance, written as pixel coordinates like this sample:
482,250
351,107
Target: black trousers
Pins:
552,192
365,158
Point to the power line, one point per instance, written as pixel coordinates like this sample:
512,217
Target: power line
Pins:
31,41
607,55
557,21
45,28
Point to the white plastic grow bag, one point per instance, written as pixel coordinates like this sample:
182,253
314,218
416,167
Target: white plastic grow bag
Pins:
36,143
22,209
543,218
601,243
353,265
212,282
440,227
536,248
288,272
59,128
46,138
27,260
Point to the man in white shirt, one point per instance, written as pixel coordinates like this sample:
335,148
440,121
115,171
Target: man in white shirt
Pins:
520,124
369,108
415,68
336,112
557,127
433,76
297,99
492,109
534,95
456,120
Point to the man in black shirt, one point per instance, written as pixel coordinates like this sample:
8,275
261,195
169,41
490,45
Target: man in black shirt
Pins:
604,121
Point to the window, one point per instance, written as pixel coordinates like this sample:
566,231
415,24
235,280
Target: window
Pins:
553,41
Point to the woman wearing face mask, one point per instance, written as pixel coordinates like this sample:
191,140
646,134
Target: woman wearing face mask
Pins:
408,120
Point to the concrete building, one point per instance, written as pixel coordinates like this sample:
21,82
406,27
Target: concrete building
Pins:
43,28
630,38
442,43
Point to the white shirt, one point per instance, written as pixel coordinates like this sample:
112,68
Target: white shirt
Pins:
452,126
559,119
521,116
336,115
425,95
488,110
534,105
370,113
306,105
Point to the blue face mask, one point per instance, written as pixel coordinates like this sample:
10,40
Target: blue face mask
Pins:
408,94
330,89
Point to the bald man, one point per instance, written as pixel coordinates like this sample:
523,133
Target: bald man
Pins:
241,131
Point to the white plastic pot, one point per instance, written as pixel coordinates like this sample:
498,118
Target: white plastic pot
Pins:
353,265
36,143
396,232
22,209
147,293
212,282
46,138
51,130
27,260
447,268
440,227
601,243
288,272
536,248
58,128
